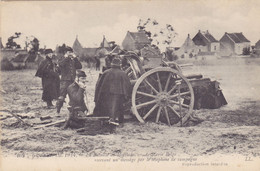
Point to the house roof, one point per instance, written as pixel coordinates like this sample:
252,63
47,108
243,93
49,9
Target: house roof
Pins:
257,43
203,38
237,37
210,37
76,43
188,42
139,37
104,43
89,52
77,47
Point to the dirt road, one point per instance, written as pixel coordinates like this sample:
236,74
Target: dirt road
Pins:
232,129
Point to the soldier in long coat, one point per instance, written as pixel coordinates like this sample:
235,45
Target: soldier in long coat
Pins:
50,79
112,91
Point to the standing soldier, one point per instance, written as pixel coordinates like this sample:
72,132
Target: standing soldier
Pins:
108,61
112,91
97,63
67,66
50,79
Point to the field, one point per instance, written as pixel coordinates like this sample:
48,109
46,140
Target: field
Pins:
231,130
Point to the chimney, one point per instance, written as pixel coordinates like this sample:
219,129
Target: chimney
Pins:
207,31
188,35
199,31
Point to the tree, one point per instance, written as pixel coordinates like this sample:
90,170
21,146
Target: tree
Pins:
170,55
11,44
157,34
33,45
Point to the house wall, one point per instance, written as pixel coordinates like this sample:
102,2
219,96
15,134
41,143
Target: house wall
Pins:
214,47
149,53
257,45
238,49
184,52
139,46
227,46
202,48
257,48
128,43
247,45
257,51
240,46
10,53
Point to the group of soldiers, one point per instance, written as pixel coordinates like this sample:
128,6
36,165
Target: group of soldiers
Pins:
66,77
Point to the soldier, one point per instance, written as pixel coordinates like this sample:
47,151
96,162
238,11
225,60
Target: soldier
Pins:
108,61
77,105
67,66
112,91
97,63
50,79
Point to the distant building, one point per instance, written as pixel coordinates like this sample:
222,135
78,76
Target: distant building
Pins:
10,53
104,48
206,43
83,53
135,41
257,47
233,44
187,50
105,44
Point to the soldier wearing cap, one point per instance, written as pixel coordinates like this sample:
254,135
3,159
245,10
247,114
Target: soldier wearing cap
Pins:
77,104
112,91
50,79
67,67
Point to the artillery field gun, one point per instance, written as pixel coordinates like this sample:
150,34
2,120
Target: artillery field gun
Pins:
164,94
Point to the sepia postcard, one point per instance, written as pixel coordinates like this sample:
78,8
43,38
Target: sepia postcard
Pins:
130,85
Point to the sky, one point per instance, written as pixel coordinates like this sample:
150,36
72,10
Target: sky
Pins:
55,23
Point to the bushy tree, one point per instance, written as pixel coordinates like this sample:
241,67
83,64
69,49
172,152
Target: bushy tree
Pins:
170,55
11,44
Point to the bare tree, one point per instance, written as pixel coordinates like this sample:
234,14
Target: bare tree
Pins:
156,33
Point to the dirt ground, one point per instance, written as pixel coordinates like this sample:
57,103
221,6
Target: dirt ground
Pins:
232,129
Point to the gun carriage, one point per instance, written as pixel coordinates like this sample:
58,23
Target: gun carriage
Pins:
164,94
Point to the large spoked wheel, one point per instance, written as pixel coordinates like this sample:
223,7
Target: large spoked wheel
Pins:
162,95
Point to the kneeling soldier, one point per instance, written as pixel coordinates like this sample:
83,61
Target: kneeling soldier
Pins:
77,105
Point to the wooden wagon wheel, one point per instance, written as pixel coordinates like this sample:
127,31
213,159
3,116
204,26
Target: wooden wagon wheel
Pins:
162,95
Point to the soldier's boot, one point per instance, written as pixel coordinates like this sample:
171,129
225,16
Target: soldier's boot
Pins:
49,104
